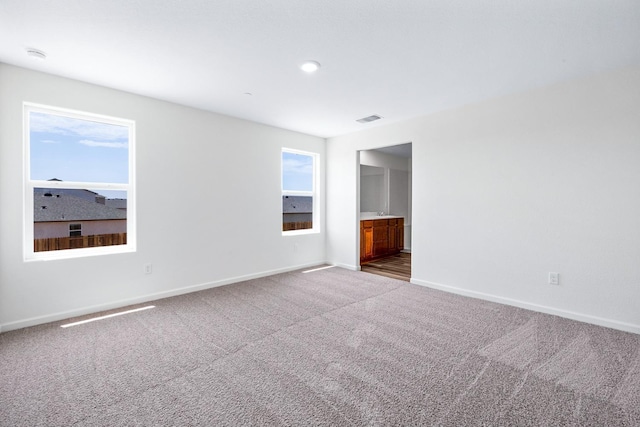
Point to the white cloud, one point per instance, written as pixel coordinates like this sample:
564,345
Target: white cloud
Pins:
49,141
297,166
42,122
90,143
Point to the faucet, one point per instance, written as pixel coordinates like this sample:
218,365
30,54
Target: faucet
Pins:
381,213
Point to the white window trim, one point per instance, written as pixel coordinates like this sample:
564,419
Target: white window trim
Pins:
80,229
29,185
315,193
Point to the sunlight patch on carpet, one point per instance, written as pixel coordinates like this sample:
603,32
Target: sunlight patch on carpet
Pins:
93,319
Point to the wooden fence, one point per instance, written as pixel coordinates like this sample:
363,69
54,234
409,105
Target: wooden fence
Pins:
287,226
59,243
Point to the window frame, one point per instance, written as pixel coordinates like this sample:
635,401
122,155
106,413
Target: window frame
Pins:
76,229
314,193
30,185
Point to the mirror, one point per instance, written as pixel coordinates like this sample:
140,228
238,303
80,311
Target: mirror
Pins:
372,189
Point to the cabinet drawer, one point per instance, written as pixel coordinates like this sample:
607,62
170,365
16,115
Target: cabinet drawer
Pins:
367,223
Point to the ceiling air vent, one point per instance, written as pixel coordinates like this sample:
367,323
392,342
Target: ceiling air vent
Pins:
371,118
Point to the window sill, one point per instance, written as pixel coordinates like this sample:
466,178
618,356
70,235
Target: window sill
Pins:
301,232
78,253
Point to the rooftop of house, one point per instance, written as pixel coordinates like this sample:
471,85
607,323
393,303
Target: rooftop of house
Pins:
75,192
116,203
49,206
297,204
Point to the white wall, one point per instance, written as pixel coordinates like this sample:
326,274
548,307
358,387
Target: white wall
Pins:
209,204
510,189
399,200
399,193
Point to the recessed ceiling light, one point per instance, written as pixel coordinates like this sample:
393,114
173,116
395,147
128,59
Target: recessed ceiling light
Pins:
36,54
310,66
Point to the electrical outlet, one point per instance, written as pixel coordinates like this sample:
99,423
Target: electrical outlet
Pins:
148,269
554,278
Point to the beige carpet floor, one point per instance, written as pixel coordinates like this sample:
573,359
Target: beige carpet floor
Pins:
331,347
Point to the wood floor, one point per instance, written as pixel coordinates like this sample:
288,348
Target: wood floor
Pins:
395,266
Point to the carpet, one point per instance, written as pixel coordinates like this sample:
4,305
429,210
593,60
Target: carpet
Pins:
330,347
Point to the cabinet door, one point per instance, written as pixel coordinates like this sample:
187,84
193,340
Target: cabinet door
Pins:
393,237
400,240
368,243
380,237
366,240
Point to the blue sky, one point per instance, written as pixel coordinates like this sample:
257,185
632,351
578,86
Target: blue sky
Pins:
297,172
72,149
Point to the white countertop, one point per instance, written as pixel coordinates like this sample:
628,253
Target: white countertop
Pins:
368,216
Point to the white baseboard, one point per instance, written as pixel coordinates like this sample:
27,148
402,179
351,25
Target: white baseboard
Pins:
608,323
347,266
54,317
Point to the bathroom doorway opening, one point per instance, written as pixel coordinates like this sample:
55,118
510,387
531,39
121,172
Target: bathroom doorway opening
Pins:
385,204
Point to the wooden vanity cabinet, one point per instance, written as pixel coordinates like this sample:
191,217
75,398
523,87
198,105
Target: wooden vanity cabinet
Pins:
380,238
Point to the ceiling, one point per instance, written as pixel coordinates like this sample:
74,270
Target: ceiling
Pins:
398,59
400,150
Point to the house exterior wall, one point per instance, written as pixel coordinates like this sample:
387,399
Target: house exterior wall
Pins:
43,230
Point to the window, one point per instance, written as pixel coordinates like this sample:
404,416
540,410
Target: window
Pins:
299,192
75,230
79,183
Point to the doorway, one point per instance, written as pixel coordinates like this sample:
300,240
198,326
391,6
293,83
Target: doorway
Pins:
385,202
